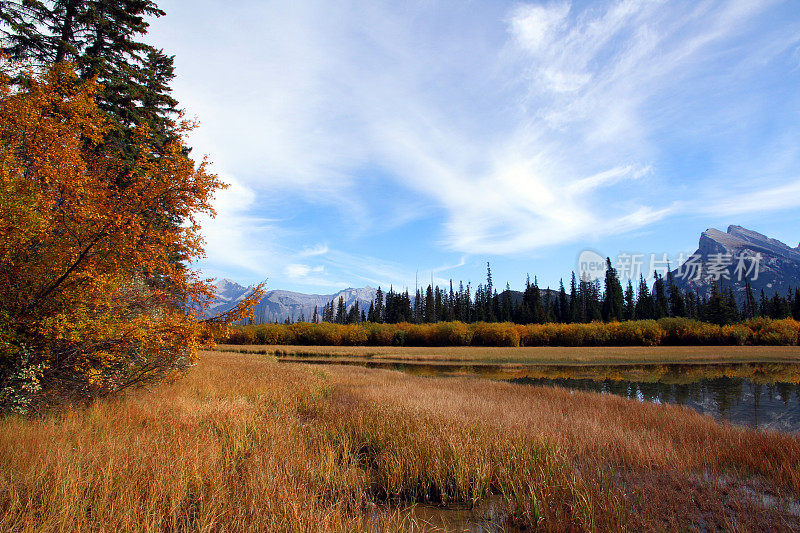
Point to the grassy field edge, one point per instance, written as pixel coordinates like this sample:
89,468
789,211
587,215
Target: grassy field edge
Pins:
531,355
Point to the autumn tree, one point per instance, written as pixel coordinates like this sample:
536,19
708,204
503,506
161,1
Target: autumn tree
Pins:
104,40
92,298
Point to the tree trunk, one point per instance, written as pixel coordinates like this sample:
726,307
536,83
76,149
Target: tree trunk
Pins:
66,30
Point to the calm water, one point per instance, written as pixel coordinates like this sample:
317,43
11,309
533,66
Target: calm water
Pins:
759,395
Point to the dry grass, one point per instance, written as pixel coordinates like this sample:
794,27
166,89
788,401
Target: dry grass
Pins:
536,354
243,443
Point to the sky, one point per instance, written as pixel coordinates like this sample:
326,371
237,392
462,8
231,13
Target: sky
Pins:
377,143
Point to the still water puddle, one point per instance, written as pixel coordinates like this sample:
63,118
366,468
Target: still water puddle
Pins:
487,516
759,395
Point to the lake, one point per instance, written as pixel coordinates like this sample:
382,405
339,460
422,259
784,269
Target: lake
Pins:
759,395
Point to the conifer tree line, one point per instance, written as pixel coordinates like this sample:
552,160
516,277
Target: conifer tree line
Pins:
102,39
582,302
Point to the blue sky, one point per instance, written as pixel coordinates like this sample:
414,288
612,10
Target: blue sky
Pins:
365,142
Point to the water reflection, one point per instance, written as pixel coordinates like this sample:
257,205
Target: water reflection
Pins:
738,400
759,395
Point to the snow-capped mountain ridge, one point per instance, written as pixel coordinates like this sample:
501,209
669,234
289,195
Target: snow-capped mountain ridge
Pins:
280,304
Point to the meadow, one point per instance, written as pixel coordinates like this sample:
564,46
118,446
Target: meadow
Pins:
580,355
244,443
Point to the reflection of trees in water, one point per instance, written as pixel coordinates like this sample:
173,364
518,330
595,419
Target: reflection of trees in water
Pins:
725,393
756,390
785,391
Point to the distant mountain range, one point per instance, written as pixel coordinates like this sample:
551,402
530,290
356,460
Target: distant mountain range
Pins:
728,256
736,255
280,305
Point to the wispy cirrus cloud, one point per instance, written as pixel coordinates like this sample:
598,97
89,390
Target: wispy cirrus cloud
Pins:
505,128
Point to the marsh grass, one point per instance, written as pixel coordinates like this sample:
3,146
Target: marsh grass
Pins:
531,355
243,443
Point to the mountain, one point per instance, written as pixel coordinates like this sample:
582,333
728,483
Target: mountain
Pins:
278,304
736,255
516,296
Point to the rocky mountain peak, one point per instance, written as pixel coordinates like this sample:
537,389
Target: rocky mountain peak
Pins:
778,264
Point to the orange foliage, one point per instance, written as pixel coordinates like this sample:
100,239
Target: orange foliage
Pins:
93,251
663,332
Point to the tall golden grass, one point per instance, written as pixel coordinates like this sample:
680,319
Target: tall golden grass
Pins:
663,332
246,444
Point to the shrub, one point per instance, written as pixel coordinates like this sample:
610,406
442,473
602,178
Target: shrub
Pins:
353,335
241,335
274,334
664,332
450,334
685,331
538,334
494,334
570,335
379,334
21,387
736,335
412,335
776,332
635,333
400,338
322,334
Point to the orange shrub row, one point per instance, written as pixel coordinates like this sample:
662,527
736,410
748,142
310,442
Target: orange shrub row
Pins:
664,332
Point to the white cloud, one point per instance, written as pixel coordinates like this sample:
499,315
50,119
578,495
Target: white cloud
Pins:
765,200
296,270
533,25
235,236
518,128
320,249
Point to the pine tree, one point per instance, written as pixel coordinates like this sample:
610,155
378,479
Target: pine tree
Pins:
488,296
341,311
353,316
535,303
750,309
594,309
677,303
691,305
630,303
451,303
645,305
505,306
613,299
718,310
103,38
573,300
661,304
430,307
21,26
733,308
563,303
378,308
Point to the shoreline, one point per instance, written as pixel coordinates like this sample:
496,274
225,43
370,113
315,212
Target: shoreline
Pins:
539,355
